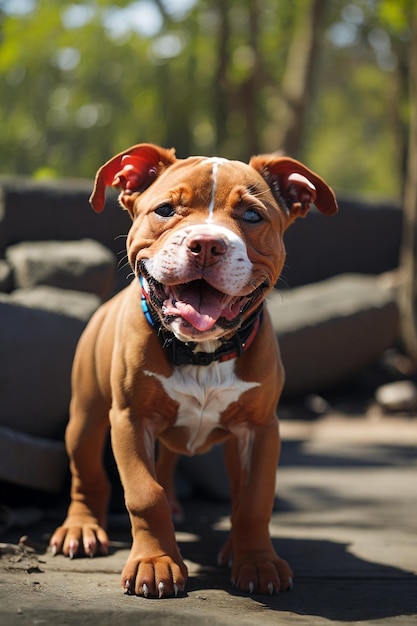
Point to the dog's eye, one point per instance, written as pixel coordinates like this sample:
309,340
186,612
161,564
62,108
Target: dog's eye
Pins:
252,216
165,210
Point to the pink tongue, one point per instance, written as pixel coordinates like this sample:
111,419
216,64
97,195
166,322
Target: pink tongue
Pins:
200,309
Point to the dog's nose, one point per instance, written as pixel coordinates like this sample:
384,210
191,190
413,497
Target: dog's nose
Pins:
206,248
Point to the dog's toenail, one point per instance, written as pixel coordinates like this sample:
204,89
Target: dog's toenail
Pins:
145,590
161,588
251,587
127,586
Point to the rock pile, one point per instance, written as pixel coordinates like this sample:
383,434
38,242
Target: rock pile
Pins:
53,276
57,287
59,261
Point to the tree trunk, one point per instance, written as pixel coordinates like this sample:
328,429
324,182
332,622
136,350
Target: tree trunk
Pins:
408,264
220,86
299,76
250,88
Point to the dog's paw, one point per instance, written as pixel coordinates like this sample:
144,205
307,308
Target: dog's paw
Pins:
75,538
262,575
159,577
224,556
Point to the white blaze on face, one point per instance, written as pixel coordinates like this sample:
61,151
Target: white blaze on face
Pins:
215,161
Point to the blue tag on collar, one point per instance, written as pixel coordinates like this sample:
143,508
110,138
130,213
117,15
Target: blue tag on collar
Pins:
144,304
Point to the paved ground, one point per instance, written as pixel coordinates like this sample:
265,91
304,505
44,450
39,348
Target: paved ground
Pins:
346,519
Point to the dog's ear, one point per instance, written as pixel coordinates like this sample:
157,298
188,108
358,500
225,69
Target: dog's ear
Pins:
131,171
294,186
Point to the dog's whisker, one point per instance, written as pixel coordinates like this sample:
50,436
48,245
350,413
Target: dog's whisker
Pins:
123,263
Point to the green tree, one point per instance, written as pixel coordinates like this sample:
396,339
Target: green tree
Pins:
408,287
324,80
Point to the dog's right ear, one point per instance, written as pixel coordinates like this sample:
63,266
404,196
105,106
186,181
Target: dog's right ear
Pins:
131,171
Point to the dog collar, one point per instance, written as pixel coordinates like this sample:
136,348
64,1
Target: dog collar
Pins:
182,353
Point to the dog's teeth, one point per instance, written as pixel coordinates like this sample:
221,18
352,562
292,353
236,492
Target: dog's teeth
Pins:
161,588
145,590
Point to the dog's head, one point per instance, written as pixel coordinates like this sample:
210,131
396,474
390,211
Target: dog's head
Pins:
207,233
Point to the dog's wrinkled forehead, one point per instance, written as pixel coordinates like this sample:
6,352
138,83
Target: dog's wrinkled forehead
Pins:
213,181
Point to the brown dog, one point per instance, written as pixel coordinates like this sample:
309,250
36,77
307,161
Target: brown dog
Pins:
187,355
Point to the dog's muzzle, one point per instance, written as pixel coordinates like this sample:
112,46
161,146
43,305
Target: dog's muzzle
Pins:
197,303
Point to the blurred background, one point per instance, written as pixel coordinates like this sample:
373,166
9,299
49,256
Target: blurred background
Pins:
326,81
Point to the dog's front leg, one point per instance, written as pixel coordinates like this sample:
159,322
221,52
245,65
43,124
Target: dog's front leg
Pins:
154,567
165,472
256,567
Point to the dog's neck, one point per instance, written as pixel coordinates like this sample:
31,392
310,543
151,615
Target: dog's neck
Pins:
190,353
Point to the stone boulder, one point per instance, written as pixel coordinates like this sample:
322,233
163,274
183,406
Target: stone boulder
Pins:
319,247
6,276
84,265
33,462
329,331
58,210
40,328
43,327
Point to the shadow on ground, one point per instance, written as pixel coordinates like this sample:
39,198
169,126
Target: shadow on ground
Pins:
355,590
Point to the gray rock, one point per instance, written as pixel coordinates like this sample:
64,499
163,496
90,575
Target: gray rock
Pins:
60,301
328,331
58,210
6,276
39,330
84,265
320,247
33,462
397,396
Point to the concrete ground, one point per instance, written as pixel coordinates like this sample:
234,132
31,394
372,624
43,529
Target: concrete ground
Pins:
346,520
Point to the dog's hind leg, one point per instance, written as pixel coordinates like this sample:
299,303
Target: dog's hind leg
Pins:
84,527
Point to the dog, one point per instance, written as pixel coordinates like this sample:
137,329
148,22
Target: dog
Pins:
187,356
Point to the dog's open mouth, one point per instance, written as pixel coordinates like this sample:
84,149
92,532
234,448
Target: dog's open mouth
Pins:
201,305
197,303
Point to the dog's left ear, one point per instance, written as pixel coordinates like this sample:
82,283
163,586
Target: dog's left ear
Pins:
294,186
131,171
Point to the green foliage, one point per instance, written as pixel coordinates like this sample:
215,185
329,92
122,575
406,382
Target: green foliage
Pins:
79,84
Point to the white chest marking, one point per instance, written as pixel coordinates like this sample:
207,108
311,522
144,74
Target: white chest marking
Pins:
203,393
